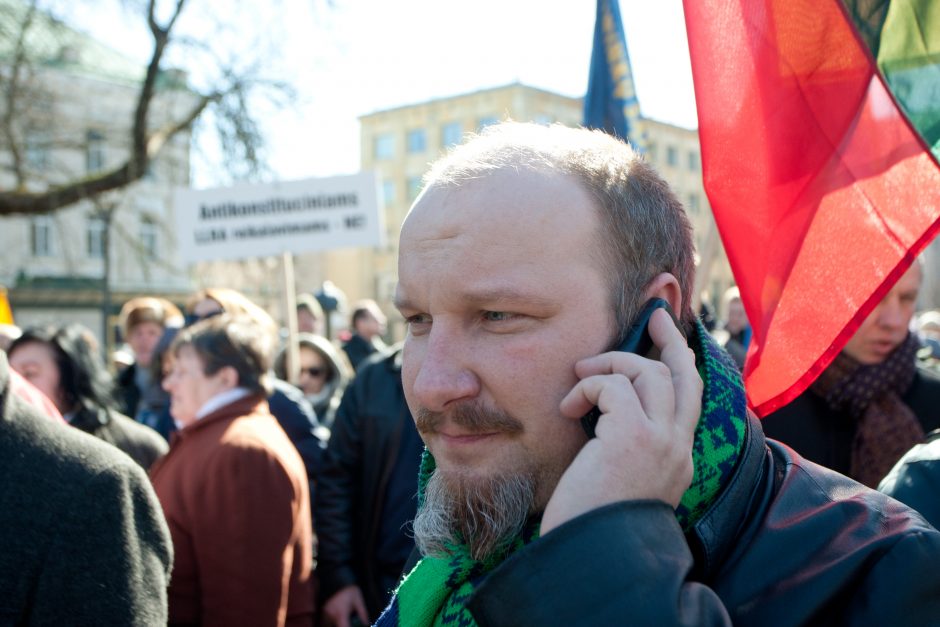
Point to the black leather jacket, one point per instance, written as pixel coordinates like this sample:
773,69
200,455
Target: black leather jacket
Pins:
356,469
786,543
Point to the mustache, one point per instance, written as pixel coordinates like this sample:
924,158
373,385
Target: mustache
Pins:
471,416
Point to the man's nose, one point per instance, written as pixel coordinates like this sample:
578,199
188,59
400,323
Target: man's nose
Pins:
444,372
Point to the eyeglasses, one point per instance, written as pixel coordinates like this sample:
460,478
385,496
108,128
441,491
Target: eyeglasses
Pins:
314,372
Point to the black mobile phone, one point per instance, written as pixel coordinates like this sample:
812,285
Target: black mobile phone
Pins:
637,340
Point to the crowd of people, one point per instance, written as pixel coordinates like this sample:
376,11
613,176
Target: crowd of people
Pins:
448,479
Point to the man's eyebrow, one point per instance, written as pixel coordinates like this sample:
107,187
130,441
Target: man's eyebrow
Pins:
495,296
487,298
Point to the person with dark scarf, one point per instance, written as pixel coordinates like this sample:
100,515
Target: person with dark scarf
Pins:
873,402
524,259
65,366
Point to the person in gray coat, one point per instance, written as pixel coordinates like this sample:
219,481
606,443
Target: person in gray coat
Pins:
83,537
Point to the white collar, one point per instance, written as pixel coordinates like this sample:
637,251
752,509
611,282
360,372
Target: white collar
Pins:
221,400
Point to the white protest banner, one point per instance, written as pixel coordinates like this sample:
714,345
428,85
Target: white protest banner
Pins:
268,219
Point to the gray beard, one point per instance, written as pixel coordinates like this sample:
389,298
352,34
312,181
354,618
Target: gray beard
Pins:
485,515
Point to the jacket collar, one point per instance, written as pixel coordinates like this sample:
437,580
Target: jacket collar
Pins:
252,404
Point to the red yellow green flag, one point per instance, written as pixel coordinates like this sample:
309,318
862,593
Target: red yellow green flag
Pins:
816,119
6,314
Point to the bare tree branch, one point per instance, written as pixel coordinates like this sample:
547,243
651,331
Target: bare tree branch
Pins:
12,94
238,131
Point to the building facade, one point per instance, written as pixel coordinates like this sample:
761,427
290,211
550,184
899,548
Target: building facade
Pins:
74,104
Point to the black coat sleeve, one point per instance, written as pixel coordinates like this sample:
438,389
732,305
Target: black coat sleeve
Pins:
334,508
623,564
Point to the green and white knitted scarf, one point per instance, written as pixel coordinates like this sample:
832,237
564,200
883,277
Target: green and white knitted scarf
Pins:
436,591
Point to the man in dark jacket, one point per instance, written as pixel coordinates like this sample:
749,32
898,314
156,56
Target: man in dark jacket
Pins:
677,512
84,541
366,494
873,402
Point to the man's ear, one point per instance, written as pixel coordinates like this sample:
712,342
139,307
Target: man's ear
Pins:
666,286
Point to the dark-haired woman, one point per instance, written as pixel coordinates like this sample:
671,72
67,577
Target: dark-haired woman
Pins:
63,365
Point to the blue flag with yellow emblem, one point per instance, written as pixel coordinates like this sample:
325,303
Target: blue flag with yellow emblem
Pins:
611,103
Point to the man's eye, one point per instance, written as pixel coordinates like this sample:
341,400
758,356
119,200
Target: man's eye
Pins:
497,316
418,319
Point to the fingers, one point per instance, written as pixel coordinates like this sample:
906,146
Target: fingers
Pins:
666,389
676,355
604,391
341,606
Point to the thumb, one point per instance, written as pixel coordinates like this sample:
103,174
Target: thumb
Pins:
361,610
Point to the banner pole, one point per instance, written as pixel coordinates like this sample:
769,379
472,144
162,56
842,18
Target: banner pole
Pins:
290,308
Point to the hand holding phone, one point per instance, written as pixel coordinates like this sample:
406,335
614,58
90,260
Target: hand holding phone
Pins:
644,451
637,340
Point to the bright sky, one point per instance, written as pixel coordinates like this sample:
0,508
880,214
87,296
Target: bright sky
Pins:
347,58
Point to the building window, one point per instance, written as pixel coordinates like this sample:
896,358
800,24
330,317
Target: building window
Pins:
37,150
384,147
694,206
94,152
451,134
388,192
672,156
651,153
94,237
148,237
417,140
485,121
40,239
693,161
414,187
